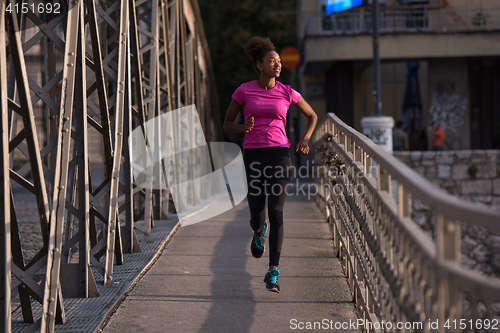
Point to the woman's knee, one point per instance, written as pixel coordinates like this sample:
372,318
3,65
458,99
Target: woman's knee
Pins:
276,216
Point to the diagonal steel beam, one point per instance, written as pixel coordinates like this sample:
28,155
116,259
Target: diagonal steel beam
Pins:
130,243
74,46
5,260
163,74
118,139
28,122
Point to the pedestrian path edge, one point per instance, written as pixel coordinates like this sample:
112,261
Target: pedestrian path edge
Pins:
86,315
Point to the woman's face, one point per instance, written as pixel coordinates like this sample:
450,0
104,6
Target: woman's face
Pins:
271,64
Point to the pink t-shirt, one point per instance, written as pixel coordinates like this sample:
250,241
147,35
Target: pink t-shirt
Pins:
268,107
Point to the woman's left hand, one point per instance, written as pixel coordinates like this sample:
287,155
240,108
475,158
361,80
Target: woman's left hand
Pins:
303,146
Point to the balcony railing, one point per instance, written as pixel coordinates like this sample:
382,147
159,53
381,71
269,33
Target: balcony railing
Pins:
404,21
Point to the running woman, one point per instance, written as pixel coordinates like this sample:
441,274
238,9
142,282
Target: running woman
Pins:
266,155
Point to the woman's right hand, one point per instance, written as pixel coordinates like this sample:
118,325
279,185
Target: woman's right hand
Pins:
248,125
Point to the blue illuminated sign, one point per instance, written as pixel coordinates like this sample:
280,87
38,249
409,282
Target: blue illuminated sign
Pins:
335,6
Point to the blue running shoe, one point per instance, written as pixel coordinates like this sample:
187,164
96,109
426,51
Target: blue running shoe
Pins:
271,280
258,243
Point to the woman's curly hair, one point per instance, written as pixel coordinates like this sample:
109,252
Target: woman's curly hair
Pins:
257,47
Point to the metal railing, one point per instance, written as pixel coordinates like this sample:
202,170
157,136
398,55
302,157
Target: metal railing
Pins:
396,272
404,21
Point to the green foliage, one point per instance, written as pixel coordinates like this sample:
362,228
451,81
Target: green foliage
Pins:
228,27
473,170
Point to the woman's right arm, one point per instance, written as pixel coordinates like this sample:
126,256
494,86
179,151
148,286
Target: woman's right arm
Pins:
229,124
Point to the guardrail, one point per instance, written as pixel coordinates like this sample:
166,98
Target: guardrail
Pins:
396,272
404,21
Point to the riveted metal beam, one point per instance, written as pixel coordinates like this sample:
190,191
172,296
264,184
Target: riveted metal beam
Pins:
5,257
106,85
118,139
53,291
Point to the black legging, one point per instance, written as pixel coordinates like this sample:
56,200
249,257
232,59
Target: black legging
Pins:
267,171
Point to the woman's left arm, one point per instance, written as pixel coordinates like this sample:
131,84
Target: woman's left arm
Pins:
306,109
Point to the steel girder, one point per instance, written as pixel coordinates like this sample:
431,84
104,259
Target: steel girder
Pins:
109,66
4,187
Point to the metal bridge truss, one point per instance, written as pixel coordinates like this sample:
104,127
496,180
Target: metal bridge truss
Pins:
117,64
396,272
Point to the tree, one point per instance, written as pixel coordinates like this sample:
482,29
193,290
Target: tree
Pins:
230,24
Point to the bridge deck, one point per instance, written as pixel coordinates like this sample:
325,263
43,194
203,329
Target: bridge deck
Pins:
206,280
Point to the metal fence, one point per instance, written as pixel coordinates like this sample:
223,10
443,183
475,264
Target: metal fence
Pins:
109,66
396,272
404,21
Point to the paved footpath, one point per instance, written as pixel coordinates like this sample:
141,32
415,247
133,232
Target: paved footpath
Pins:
206,280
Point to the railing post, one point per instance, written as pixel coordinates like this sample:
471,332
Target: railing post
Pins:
357,153
325,196
335,232
368,164
404,202
448,249
383,179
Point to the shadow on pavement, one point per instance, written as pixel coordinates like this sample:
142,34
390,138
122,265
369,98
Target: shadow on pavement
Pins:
233,307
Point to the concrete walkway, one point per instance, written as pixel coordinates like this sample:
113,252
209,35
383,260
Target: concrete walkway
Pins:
206,280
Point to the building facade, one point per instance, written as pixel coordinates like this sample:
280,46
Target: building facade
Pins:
440,62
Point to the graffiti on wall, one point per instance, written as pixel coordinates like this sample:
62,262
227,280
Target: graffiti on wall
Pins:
450,110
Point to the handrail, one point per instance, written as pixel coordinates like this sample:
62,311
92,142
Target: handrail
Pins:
420,187
488,287
395,270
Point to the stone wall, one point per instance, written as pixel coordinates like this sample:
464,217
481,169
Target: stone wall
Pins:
472,175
